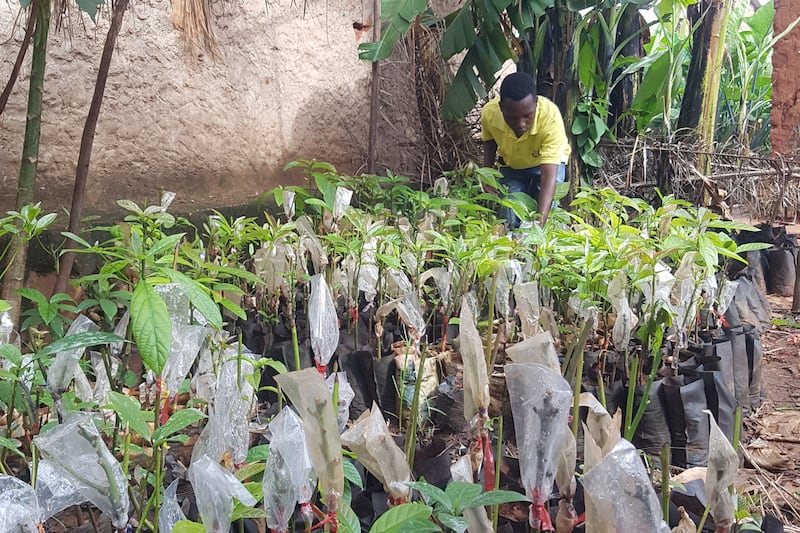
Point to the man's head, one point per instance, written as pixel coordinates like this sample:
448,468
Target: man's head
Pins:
518,101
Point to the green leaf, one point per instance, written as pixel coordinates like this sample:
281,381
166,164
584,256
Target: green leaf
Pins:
240,512
230,306
257,453
187,526
33,295
151,326
351,474
11,445
130,412
456,523
708,252
198,296
393,520
80,340
418,525
497,497
432,493
465,90
4,306
752,246
11,353
460,33
462,494
178,421
250,470
90,7
348,521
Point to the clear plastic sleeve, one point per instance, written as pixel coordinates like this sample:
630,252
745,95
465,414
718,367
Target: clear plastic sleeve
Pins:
626,321
341,202
723,463
19,509
62,370
397,283
567,457
539,348
177,301
620,483
476,379
55,490
170,512
540,403
76,449
442,278
604,428
234,401
323,320
370,440
186,342
346,395
309,242
526,296
479,522
215,488
309,394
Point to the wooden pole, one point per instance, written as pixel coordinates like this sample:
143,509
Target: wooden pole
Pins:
372,149
23,49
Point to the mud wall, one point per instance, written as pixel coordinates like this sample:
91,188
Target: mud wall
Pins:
288,84
785,116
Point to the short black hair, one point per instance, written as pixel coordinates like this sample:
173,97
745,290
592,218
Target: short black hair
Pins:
517,86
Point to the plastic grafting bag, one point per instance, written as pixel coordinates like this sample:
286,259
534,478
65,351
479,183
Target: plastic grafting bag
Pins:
288,203
370,440
685,295
215,488
288,469
720,476
539,348
55,490
186,342
120,330
341,202
19,509
540,403
584,310
397,283
62,371
526,296
6,327
212,440
565,474
204,380
441,186
626,321
323,320
409,310
102,385
479,522
502,291
476,379
272,264
76,450
83,389
442,278
604,429
309,243
663,285
726,296
308,393
177,301
170,513
620,483
233,402
346,395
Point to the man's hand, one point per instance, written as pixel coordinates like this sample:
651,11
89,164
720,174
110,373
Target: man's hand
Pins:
547,189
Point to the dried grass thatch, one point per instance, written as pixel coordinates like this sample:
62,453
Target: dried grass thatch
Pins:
193,19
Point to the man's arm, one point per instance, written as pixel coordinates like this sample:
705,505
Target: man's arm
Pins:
547,189
489,153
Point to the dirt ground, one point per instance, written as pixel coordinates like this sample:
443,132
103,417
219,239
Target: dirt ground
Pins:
770,479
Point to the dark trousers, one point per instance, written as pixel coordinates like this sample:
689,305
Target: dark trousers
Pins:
525,180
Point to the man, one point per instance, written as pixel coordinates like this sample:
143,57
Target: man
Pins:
528,132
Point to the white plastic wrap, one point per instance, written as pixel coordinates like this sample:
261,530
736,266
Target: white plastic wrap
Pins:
120,330
479,522
663,286
442,278
186,342
177,303
272,264
526,296
409,310
397,283
346,395
341,202
64,366
204,382
83,389
441,186
76,449
370,440
286,478
539,348
626,321
540,402
170,512
567,457
309,242
620,483
502,292
19,509
308,392
323,320
288,203
211,441
604,428
6,327
214,488
476,379
55,490
234,401
584,310
723,463
102,385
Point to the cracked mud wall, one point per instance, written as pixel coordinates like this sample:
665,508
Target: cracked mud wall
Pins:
287,85
785,116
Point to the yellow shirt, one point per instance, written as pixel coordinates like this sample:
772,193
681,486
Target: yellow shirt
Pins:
544,142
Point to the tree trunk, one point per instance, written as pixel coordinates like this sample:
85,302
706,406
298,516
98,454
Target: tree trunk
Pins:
699,107
87,140
23,49
372,149
622,95
18,252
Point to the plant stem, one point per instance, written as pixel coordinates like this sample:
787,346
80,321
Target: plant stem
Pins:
498,463
665,481
703,518
490,326
576,391
632,381
411,433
